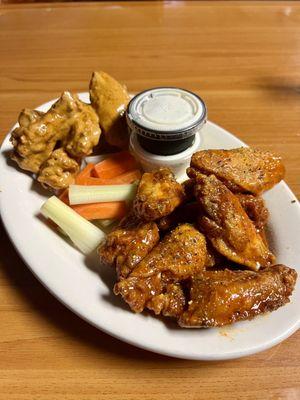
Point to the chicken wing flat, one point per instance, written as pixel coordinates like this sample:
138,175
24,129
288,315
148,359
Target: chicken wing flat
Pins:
220,298
128,244
110,99
255,209
227,226
243,169
158,195
70,123
181,254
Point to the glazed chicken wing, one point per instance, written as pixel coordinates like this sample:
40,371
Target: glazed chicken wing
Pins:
220,298
158,195
128,244
181,254
110,99
243,170
227,226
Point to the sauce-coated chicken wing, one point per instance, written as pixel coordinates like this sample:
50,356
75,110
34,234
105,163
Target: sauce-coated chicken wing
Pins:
220,298
244,169
158,195
227,225
180,255
128,244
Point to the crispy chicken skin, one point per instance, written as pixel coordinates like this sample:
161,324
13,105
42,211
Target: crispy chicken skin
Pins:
244,169
128,244
158,195
70,123
180,255
110,99
227,226
220,298
255,209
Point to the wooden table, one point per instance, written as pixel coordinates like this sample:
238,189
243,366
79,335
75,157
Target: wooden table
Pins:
244,59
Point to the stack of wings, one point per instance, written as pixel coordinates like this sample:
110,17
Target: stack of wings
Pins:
197,251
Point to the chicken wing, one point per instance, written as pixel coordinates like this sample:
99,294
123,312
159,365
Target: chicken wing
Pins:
220,298
227,225
181,254
110,99
243,169
70,123
158,195
128,244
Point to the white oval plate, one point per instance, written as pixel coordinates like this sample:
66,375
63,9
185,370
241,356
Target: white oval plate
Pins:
86,290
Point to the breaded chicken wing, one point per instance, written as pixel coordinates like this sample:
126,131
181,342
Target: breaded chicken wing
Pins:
158,195
227,226
244,169
220,298
181,254
128,244
110,99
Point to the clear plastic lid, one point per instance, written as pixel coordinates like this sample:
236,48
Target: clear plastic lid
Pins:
166,113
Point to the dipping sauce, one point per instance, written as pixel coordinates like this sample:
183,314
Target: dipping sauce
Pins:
165,120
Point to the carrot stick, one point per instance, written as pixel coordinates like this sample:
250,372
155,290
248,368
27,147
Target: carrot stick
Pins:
85,173
127,177
112,210
115,165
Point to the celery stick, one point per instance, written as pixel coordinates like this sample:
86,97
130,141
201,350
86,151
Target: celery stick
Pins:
83,233
81,194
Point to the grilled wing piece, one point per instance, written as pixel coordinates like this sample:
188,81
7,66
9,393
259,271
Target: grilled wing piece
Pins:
255,209
158,195
220,298
110,99
181,254
227,225
243,170
128,244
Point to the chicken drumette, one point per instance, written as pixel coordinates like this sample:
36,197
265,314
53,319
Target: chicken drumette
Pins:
158,195
128,244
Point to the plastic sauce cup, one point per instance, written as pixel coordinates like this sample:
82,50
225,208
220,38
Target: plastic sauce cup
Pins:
165,125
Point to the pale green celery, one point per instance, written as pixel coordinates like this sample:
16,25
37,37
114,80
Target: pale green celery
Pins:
83,233
81,194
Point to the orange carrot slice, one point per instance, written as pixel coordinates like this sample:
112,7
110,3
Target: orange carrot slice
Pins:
112,210
127,177
115,165
85,173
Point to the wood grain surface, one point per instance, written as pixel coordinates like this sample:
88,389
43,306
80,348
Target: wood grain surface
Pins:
243,58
